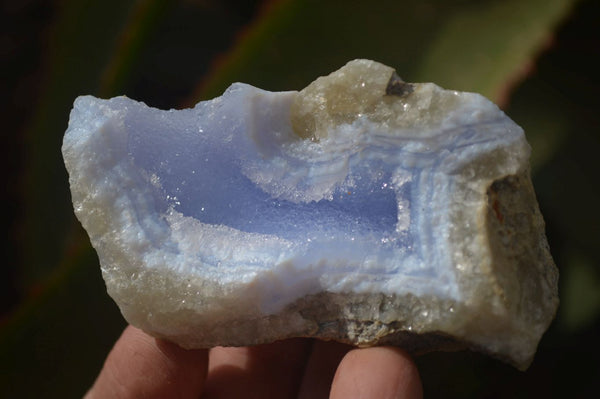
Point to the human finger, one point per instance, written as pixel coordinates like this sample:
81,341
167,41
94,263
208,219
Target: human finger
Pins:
263,371
320,368
140,366
380,372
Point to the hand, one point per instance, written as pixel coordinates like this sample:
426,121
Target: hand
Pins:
140,366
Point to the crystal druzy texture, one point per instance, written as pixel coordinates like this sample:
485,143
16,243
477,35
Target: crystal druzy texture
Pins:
362,209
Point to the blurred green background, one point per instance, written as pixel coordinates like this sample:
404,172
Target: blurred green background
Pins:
538,59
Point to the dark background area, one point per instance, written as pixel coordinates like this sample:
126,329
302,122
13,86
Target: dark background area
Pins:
56,321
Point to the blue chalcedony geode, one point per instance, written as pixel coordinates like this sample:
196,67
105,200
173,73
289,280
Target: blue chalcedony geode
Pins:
362,209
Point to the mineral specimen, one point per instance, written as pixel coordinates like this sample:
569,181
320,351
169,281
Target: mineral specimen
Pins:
362,209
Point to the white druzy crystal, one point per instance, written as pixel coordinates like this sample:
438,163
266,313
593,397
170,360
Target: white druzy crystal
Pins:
362,209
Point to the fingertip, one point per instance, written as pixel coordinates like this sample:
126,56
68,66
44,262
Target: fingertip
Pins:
142,366
379,372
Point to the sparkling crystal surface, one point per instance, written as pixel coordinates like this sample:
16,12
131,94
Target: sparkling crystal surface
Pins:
362,209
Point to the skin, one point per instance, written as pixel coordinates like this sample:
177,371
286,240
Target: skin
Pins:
140,366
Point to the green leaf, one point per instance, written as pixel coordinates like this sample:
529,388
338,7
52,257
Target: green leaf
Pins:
464,45
482,46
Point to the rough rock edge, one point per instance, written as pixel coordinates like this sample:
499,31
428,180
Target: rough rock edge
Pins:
323,317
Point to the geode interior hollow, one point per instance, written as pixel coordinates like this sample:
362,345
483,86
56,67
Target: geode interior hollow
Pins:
361,209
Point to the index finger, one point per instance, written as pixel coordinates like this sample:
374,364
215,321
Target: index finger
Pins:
140,366
379,372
